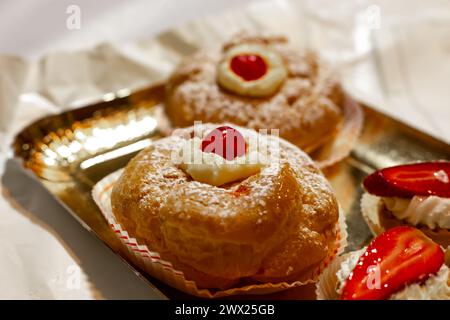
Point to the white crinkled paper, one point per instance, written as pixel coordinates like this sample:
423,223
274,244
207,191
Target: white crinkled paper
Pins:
30,89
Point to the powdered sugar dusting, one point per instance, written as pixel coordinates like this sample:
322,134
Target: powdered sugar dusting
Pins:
305,107
162,181
286,210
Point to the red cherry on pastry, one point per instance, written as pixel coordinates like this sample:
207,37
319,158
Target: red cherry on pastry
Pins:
226,142
406,181
248,66
396,258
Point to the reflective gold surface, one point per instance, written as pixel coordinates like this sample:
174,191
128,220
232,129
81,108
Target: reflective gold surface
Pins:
70,152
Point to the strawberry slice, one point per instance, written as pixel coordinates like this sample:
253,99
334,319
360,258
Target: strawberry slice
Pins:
396,258
406,181
226,142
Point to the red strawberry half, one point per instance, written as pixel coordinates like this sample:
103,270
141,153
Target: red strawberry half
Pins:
406,181
226,142
396,258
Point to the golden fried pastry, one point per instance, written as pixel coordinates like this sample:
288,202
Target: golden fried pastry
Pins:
272,221
258,82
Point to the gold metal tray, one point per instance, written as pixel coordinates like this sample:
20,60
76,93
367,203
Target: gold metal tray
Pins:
70,152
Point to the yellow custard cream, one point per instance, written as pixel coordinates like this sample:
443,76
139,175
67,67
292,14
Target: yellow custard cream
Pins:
266,85
431,211
213,169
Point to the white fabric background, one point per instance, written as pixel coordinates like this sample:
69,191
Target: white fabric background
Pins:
403,69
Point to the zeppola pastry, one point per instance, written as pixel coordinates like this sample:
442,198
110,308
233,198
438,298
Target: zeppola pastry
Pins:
400,264
412,194
259,82
227,205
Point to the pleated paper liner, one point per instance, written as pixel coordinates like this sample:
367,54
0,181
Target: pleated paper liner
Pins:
152,263
378,221
327,282
342,143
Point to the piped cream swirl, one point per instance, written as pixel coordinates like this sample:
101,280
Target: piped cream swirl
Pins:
431,211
